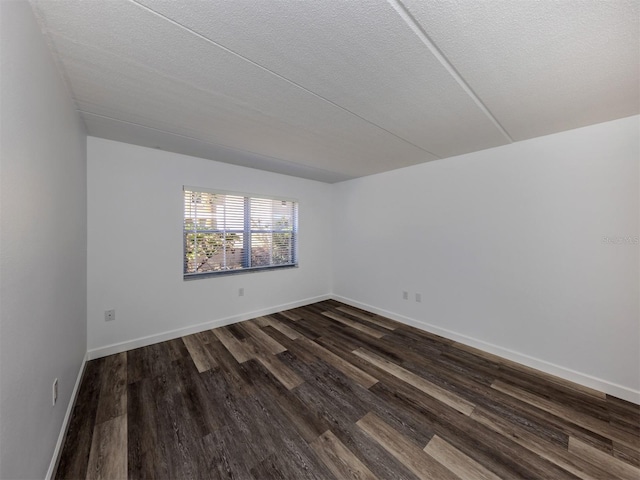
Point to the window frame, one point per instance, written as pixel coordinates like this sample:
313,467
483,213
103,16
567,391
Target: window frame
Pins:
246,233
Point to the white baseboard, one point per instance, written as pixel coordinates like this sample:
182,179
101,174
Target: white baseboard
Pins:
181,332
589,381
586,380
65,421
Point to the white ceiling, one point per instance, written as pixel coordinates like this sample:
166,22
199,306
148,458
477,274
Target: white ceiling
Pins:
337,89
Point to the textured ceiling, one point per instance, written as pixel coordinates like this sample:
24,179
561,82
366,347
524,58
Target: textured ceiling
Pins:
337,89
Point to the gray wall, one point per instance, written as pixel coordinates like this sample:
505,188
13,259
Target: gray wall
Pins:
43,257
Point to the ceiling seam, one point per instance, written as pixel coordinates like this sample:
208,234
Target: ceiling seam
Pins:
291,82
236,149
164,75
417,28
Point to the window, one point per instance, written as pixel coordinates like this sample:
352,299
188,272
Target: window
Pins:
233,232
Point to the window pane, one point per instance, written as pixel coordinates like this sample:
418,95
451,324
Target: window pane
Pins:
209,252
282,248
225,232
260,249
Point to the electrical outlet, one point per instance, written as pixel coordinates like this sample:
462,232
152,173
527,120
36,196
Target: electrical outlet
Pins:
241,292
54,392
109,315
405,295
418,297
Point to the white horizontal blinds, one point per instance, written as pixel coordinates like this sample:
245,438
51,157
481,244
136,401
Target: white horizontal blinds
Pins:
198,218
224,231
230,217
273,224
213,231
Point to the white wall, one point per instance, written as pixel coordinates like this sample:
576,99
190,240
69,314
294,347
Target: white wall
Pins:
506,247
43,237
135,261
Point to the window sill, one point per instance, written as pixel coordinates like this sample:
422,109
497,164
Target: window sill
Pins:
240,271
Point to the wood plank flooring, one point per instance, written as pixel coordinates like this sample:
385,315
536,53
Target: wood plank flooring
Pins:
329,391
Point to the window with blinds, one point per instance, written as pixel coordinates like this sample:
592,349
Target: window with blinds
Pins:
232,232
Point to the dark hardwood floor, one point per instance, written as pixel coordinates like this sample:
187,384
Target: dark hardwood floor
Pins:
331,392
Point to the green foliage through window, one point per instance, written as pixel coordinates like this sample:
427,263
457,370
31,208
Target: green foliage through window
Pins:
225,232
